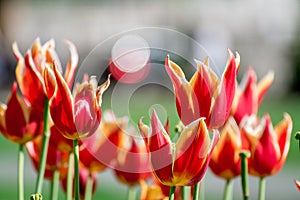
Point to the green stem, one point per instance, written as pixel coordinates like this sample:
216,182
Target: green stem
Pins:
54,185
76,169
262,188
186,192
70,177
196,191
131,193
89,188
21,172
228,190
244,155
45,144
172,192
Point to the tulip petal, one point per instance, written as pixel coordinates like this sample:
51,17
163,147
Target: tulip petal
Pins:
29,79
49,82
204,83
72,64
283,131
101,89
246,96
225,161
222,106
204,167
62,107
266,153
191,150
185,96
86,114
16,108
263,85
160,147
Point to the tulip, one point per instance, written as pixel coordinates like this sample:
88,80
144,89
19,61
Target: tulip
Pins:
132,164
19,121
204,95
225,161
100,150
182,163
250,94
79,116
30,68
268,146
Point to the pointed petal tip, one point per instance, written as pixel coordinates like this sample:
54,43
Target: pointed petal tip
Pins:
14,87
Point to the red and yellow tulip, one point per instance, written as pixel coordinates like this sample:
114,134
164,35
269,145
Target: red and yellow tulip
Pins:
100,150
225,160
204,95
181,163
30,68
79,116
250,94
132,164
268,146
19,121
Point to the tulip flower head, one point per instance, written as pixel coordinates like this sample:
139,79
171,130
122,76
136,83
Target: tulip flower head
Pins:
225,160
204,95
250,94
181,163
268,146
19,121
79,116
132,164
30,68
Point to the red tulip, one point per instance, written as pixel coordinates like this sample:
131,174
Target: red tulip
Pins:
30,69
132,164
100,150
268,146
225,160
250,94
204,95
19,121
56,160
79,116
184,162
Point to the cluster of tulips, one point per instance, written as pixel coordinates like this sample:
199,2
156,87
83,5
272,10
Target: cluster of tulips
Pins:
70,140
